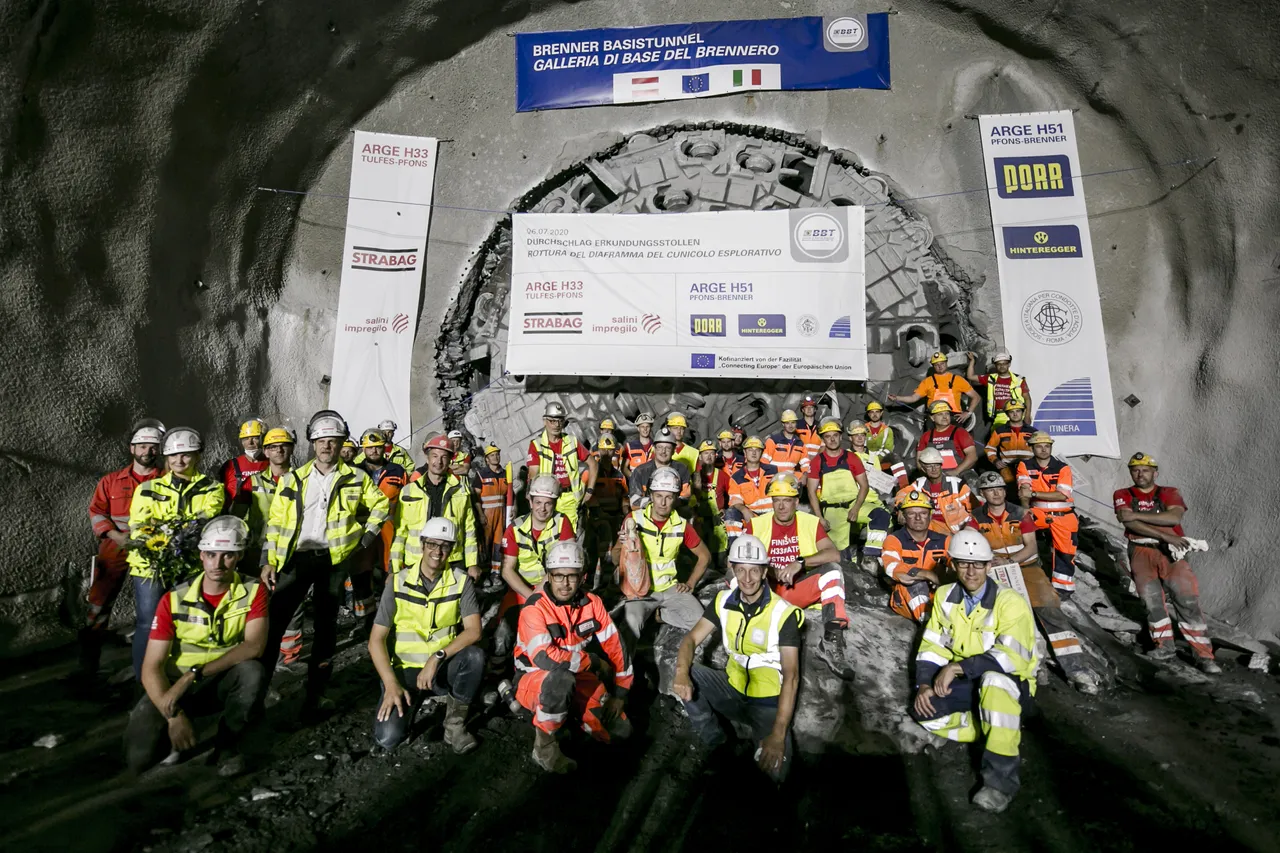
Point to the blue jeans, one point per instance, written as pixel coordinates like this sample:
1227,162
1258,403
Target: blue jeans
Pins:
714,697
146,598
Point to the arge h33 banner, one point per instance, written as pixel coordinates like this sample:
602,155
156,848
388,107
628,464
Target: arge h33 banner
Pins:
583,68
1048,284
763,294
384,252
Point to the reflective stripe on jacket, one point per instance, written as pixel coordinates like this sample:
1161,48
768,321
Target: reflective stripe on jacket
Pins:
203,633
531,556
411,515
109,506
554,637
661,547
754,663
807,526
262,488
169,498
425,622
352,491
1015,392
1053,477
568,452
1000,628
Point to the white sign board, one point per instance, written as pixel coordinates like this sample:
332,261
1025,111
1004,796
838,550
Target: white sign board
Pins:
392,180
764,294
1010,575
1048,285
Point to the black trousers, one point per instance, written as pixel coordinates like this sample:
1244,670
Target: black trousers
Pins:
307,570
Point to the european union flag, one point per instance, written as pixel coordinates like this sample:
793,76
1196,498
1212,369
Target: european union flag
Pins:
702,360
694,83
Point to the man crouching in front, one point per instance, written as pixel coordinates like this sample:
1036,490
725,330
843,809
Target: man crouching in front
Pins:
206,638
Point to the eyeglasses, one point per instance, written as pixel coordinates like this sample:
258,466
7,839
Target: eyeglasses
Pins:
437,546
562,578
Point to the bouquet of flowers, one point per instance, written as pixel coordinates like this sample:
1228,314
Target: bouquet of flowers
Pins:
172,549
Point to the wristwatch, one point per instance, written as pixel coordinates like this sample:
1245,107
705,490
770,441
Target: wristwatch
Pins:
440,655
197,672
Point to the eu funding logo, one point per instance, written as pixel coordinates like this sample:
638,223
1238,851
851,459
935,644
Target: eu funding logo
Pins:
1036,242
1046,176
706,325
762,325
702,360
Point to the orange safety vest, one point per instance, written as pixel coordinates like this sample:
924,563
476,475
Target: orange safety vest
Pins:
941,392
812,442
1004,533
952,505
784,453
636,454
749,489
1054,477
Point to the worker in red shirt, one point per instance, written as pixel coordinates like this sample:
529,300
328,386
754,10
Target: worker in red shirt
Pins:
785,450
638,450
109,515
729,456
1045,485
941,384
959,453
570,659
739,436
807,427
605,511
1012,536
913,557
1002,387
236,471
564,457
805,566
1158,547
1007,444
748,488
952,500
837,485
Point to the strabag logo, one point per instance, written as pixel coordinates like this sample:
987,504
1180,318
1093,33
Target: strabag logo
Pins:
553,323
819,236
1037,242
383,260
762,325
1046,176
706,325
1052,318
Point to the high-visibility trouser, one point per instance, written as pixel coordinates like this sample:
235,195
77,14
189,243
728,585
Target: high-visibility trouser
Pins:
553,694
494,530
1048,610
824,585
360,582
567,505
874,520
1000,701
1156,576
911,600
735,522
712,530
1064,535
109,572
291,641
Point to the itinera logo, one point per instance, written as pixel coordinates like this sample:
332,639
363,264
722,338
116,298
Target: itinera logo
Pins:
553,323
1034,177
383,260
819,236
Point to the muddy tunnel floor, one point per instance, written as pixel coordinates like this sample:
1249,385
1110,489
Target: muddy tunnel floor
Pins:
1161,762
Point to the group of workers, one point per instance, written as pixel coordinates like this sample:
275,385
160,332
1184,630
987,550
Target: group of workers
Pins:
650,518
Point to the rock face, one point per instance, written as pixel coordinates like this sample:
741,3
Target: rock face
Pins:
142,271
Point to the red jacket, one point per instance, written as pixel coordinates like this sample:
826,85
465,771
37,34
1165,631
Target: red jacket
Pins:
559,637
236,473
109,506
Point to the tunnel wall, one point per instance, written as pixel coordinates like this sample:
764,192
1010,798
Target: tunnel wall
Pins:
143,272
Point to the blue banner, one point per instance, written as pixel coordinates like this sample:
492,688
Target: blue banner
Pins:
583,68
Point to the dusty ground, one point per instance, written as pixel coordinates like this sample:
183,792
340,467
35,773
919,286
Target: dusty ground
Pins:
1167,759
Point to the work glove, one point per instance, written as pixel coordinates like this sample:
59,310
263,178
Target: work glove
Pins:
367,539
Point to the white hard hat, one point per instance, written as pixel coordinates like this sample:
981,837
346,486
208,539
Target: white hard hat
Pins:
226,534
991,480
147,435
665,480
929,456
971,546
388,425
327,423
749,550
455,433
181,440
545,486
644,418
1002,355
553,410
441,529
566,554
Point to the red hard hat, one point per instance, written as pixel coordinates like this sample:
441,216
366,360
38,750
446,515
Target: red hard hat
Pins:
440,442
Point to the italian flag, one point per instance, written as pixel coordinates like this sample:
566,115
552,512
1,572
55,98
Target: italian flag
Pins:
739,76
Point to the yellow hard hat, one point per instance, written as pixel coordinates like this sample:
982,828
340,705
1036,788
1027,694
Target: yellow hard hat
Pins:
348,442
873,406
940,406
606,442
915,498
751,442
784,486
1141,459
279,435
491,448
373,438
253,428
705,446
676,419
1015,404
857,428
1040,438
828,425
725,435
607,423
937,357
788,416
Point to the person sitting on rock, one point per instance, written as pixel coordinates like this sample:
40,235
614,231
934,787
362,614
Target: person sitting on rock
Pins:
977,658
568,648
202,655
913,556
434,612
757,689
952,500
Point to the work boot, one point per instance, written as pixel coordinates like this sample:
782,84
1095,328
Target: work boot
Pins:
1165,651
991,800
620,728
831,651
456,736
1086,681
1209,666
547,754
232,764
90,653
